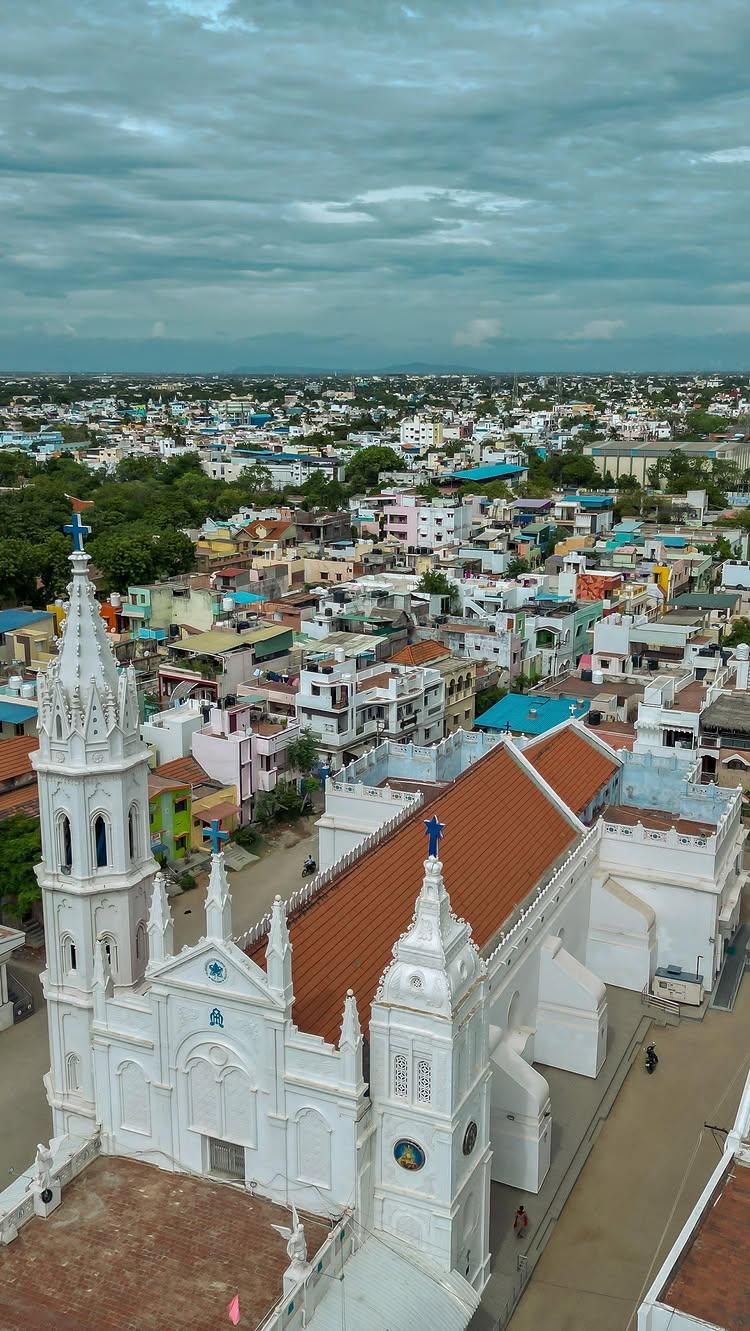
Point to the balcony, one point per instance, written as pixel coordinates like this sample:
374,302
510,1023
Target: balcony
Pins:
268,779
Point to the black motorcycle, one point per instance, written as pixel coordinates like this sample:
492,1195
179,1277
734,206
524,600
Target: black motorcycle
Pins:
308,868
652,1059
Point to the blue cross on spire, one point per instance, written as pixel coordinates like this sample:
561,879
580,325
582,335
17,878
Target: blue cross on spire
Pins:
77,529
215,835
435,830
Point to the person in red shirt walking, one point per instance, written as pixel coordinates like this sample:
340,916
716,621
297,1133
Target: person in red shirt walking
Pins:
520,1223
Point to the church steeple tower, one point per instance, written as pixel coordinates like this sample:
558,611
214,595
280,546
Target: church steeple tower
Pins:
96,868
429,1085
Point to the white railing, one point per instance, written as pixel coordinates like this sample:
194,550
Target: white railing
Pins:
640,835
295,1309
529,918
17,1201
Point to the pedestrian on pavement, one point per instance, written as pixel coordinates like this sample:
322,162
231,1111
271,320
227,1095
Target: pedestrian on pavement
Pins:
520,1223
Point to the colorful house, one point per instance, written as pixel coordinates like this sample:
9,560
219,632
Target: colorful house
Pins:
170,815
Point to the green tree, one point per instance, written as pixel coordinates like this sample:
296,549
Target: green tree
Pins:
175,553
124,559
516,566
435,583
739,632
20,850
363,472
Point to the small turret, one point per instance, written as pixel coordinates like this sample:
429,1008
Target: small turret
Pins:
279,952
160,925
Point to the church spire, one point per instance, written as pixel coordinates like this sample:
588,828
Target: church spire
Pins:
218,901
160,926
435,961
279,951
85,656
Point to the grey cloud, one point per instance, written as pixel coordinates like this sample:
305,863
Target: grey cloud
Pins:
293,170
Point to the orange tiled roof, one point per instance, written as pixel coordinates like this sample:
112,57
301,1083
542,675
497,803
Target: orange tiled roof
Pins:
503,834
14,755
185,770
419,653
573,765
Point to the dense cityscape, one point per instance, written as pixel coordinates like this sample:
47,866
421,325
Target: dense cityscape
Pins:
307,616
374,666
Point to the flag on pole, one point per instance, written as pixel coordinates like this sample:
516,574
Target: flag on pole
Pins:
233,1311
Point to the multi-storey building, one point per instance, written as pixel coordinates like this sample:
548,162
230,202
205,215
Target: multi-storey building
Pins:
347,709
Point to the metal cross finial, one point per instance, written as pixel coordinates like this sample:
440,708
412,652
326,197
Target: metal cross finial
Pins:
435,830
215,835
77,530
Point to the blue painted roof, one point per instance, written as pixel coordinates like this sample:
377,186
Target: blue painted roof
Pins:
593,501
13,711
512,713
245,598
10,620
496,472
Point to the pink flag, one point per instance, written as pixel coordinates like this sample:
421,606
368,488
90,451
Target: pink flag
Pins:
233,1311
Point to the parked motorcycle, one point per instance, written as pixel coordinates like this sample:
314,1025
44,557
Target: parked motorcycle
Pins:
652,1058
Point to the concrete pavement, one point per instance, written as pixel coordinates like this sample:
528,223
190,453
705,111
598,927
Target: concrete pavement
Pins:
625,1211
25,1118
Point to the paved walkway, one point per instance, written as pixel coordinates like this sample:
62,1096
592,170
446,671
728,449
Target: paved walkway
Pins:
627,1208
579,1106
25,1118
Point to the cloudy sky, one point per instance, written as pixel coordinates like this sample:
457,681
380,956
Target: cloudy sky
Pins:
216,184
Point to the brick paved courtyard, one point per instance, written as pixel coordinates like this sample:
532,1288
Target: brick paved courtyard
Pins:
132,1248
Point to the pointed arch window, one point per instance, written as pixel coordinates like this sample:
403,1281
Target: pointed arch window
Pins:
101,850
68,954
58,727
110,949
133,832
401,1077
424,1081
140,941
65,842
73,1072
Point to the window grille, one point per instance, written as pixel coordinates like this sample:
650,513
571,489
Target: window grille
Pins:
400,1077
424,1081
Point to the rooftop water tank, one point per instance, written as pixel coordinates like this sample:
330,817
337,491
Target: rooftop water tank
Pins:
28,689
115,600
597,676
14,683
227,604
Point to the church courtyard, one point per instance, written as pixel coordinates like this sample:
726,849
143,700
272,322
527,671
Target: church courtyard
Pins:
133,1248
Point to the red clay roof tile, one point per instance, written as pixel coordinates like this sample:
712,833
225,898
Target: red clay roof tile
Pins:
573,765
503,834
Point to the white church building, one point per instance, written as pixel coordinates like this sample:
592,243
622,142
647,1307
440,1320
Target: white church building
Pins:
373,1043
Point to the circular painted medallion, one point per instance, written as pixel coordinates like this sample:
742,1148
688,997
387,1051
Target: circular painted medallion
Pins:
408,1154
216,970
470,1138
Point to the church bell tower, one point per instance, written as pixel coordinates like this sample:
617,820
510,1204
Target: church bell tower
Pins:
430,1079
96,869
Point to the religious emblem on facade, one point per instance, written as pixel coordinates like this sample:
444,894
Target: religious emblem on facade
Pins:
470,1138
216,1019
408,1154
216,971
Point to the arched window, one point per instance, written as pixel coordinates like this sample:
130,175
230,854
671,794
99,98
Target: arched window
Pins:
68,953
100,841
65,842
424,1081
133,827
58,727
401,1077
73,1072
110,948
140,941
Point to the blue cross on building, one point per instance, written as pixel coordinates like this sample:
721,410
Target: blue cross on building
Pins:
435,830
77,529
215,835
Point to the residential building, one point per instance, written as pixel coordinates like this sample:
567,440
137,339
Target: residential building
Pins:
212,665
170,816
530,713
459,675
347,709
421,432
27,637
636,459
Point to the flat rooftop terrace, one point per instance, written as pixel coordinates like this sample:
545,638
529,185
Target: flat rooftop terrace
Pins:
133,1248
657,819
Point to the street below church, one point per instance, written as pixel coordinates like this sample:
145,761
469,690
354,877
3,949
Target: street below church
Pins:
277,871
641,1180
